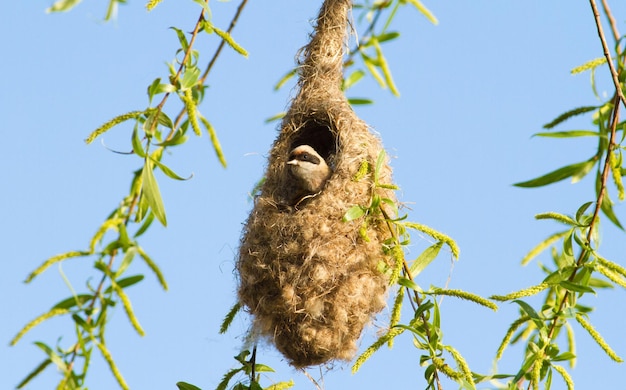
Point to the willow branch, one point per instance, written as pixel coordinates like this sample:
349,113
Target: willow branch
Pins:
217,53
607,54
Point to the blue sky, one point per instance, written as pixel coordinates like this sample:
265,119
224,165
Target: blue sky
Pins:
473,91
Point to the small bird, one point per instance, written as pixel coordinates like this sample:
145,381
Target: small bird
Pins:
311,170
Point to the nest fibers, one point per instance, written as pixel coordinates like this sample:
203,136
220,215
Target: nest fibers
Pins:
311,280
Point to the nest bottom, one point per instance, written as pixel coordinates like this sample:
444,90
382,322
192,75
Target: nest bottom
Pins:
313,302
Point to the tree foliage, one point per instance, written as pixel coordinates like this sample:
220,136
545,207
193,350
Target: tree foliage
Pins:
578,269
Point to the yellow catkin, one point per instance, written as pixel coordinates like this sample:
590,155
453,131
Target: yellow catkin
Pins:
155,268
509,334
192,114
442,367
214,140
462,364
565,375
612,266
437,236
110,124
589,65
37,321
151,4
598,338
613,276
535,374
112,366
533,290
53,260
128,308
543,246
467,296
616,171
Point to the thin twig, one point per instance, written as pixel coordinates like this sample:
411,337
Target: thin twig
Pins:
221,45
607,54
407,271
612,22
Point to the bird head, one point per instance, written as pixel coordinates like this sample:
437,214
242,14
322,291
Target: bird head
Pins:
309,168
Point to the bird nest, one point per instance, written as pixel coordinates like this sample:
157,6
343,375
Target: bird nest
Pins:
311,279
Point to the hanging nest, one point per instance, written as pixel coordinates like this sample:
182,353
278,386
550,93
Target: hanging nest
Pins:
311,280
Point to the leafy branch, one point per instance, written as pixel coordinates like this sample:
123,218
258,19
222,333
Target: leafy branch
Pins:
153,133
573,277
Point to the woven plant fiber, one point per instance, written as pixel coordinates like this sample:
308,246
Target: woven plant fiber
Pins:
311,280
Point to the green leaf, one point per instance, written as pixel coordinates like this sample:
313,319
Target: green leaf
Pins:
285,78
566,115
388,36
63,6
558,175
181,38
607,209
576,287
229,317
353,213
276,117
425,258
360,101
281,385
581,212
129,281
165,169
531,313
408,283
424,11
569,134
190,77
70,302
136,142
354,78
151,193
186,386
36,371
146,224
263,368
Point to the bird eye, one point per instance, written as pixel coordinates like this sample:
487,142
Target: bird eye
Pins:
305,156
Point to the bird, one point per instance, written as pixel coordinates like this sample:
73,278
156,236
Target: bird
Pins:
309,168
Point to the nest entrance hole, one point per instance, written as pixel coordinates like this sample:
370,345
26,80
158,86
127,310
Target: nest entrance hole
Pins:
320,136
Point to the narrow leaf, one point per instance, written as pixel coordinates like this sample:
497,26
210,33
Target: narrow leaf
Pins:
77,300
425,258
170,173
36,371
353,213
63,6
566,115
230,317
556,175
152,265
575,287
150,191
569,134
186,386
424,11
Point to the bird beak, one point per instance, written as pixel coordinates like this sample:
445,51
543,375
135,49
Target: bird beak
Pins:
292,162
